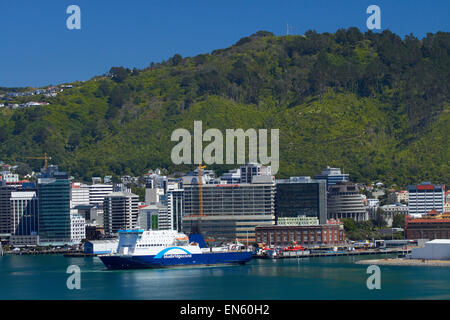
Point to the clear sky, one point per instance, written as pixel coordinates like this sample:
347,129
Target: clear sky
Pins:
37,49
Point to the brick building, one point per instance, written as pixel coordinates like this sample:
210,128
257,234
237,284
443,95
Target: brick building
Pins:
432,226
285,235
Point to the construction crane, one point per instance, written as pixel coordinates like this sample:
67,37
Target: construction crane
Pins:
45,158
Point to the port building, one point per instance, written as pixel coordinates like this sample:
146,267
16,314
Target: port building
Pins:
438,249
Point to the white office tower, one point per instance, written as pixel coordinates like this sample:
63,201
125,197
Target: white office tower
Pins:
153,195
98,192
24,213
424,197
77,228
175,203
79,194
120,212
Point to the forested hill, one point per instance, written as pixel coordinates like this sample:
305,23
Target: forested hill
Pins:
373,103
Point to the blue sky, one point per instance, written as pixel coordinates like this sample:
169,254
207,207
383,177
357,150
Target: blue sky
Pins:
37,49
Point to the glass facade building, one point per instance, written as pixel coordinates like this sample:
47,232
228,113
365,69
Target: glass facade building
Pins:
301,196
54,209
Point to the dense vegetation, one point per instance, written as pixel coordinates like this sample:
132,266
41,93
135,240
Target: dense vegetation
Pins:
371,229
373,103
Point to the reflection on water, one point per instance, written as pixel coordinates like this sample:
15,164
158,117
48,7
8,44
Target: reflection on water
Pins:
44,277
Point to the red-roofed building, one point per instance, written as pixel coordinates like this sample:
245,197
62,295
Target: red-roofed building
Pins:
433,225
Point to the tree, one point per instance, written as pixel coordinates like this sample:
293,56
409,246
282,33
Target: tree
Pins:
349,225
176,59
379,221
398,221
119,74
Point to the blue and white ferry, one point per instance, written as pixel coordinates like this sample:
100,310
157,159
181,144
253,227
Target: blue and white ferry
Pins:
140,249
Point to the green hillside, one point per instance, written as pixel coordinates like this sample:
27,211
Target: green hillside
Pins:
375,104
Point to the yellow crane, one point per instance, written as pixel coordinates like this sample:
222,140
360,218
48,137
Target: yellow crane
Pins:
45,158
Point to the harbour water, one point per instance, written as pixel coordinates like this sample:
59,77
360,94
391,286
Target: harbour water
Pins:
45,277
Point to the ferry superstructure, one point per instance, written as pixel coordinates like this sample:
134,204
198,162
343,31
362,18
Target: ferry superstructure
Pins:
140,249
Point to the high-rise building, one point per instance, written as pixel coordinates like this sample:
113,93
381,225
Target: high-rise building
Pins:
120,212
301,196
175,204
332,176
5,210
79,194
54,208
345,201
24,213
98,192
424,197
230,211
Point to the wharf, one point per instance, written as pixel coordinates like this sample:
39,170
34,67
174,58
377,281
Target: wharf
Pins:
45,252
300,254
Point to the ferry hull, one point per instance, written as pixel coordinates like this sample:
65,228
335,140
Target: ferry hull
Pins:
118,262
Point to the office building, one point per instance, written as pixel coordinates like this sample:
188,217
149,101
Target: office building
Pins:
98,192
345,201
155,217
175,204
79,194
5,210
425,197
120,212
77,228
230,212
332,176
54,207
24,213
301,196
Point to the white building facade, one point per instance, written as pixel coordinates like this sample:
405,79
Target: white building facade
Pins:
425,197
